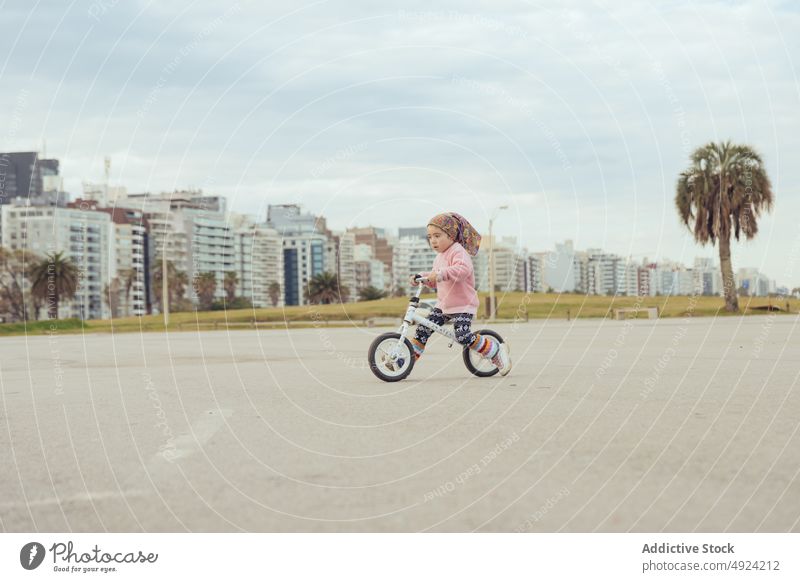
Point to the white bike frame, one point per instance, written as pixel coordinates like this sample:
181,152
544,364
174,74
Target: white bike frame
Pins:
411,318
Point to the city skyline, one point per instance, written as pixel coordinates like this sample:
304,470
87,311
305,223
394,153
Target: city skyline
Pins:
108,196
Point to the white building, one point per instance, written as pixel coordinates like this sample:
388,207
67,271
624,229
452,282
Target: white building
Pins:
194,232
558,268
604,272
707,277
346,263
128,261
370,272
670,278
412,254
103,194
754,283
259,265
84,236
509,263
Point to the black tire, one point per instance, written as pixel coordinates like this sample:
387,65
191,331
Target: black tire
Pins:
375,366
468,362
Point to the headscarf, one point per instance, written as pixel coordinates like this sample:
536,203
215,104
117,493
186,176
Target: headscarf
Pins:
459,229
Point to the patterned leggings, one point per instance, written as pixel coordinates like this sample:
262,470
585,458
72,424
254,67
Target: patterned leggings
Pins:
484,345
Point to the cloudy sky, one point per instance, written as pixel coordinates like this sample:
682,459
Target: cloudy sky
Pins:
578,115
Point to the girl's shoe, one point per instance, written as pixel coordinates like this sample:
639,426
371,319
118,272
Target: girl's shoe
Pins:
502,359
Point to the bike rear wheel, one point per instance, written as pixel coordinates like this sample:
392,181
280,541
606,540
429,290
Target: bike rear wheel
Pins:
387,360
476,363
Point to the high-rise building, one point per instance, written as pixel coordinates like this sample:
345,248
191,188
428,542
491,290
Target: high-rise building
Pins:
129,259
84,236
377,239
303,259
259,265
345,244
309,249
558,268
604,272
289,219
533,274
753,283
191,230
412,254
370,272
23,175
103,194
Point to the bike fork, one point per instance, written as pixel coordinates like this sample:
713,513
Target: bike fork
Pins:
402,331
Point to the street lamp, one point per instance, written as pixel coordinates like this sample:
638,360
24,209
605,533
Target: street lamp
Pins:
164,282
492,305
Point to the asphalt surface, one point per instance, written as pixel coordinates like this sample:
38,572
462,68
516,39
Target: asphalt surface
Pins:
668,425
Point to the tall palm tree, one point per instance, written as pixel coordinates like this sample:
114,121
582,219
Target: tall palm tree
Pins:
229,283
111,293
722,192
127,278
205,285
324,288
176,282
53,279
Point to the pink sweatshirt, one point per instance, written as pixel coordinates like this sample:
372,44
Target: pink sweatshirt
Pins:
455,281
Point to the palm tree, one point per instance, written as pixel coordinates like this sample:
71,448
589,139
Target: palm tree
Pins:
111,293
176,283
54,278
180,282
229,283
723,192
370,294
324,288
127,278
205,285
274,291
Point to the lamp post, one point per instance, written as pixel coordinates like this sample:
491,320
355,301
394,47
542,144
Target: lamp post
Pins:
164,284
492,306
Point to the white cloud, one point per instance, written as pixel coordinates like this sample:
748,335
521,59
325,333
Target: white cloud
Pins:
592,107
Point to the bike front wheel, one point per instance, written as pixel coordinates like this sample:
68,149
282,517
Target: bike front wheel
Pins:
391,359
476,363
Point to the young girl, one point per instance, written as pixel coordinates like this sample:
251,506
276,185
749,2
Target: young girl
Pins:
454,239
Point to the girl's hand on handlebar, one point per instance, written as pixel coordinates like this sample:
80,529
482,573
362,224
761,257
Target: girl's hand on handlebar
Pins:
432,277
413,280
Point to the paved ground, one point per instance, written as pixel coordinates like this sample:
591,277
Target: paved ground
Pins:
675,425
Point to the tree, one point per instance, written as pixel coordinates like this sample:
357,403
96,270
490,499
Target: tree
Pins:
111,293
722,192
15,280
344,293
127,277
274,291
205,285
53,279
229,283
371,294
324,288
176,284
